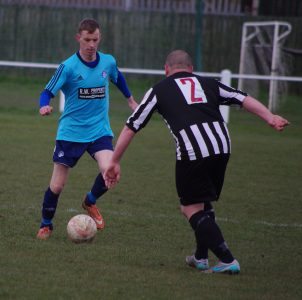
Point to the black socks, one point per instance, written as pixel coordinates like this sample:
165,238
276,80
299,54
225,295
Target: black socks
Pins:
209,236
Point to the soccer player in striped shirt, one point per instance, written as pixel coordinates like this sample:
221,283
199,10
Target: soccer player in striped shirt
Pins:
189,104
84,124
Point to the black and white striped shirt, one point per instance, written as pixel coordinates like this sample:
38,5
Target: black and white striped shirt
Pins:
189,105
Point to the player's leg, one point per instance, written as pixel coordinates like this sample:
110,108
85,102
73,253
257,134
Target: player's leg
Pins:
208,234
216,170
65,156
196,189
199,259
99,187
202,250
101,150
50,201
184,171
201,253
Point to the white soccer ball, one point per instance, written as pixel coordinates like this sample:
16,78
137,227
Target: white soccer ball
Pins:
81,229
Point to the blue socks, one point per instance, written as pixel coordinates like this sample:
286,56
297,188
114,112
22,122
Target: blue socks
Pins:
98,189
49,207
91,198
51,200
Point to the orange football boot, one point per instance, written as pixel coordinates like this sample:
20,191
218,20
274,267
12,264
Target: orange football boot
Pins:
44,233
95,214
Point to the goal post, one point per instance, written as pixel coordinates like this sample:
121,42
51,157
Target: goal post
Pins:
226,78
261,54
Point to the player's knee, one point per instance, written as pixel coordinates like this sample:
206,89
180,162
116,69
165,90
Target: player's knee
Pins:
181,209
189,210
57,188
185,211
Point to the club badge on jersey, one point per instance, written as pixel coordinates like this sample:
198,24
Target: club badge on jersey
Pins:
192,90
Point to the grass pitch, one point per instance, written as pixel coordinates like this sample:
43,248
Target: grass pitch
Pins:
140,254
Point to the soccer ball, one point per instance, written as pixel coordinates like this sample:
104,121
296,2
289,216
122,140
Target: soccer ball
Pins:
81,229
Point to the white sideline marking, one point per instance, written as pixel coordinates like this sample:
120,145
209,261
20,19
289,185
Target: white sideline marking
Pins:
72,210
269,224
226,220
278,225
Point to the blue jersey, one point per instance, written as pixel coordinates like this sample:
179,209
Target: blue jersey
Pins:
86,88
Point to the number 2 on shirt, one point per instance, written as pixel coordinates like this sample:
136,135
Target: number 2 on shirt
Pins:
191,90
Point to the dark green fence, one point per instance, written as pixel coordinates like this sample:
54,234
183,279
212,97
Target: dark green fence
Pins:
136,39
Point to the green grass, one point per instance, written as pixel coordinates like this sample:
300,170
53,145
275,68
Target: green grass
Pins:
140,254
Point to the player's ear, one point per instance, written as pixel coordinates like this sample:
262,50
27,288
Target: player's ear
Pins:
77,37
167,70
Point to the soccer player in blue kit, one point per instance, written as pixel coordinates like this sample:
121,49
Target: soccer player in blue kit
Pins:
84,124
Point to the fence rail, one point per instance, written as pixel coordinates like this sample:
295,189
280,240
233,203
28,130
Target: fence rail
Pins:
225,76
22,64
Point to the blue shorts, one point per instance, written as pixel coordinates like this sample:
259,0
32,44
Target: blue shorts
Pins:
68,153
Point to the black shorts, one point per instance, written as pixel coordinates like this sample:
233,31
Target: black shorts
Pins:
200,181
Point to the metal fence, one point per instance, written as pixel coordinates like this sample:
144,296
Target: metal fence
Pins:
137,39
210,7
227,7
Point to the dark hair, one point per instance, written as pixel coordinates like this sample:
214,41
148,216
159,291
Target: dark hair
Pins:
89,25
179,59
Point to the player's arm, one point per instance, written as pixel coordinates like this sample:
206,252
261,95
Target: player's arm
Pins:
113,172
45,108
139,119
254,106
123,87
52,88
229,95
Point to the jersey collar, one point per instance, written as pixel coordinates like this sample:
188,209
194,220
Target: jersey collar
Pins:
91,64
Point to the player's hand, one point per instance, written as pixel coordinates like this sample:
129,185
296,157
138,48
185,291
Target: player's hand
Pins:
112,175
278,122
45,110
132,103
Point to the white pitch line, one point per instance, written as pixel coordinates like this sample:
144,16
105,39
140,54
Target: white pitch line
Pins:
296,225
220,219
72,210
